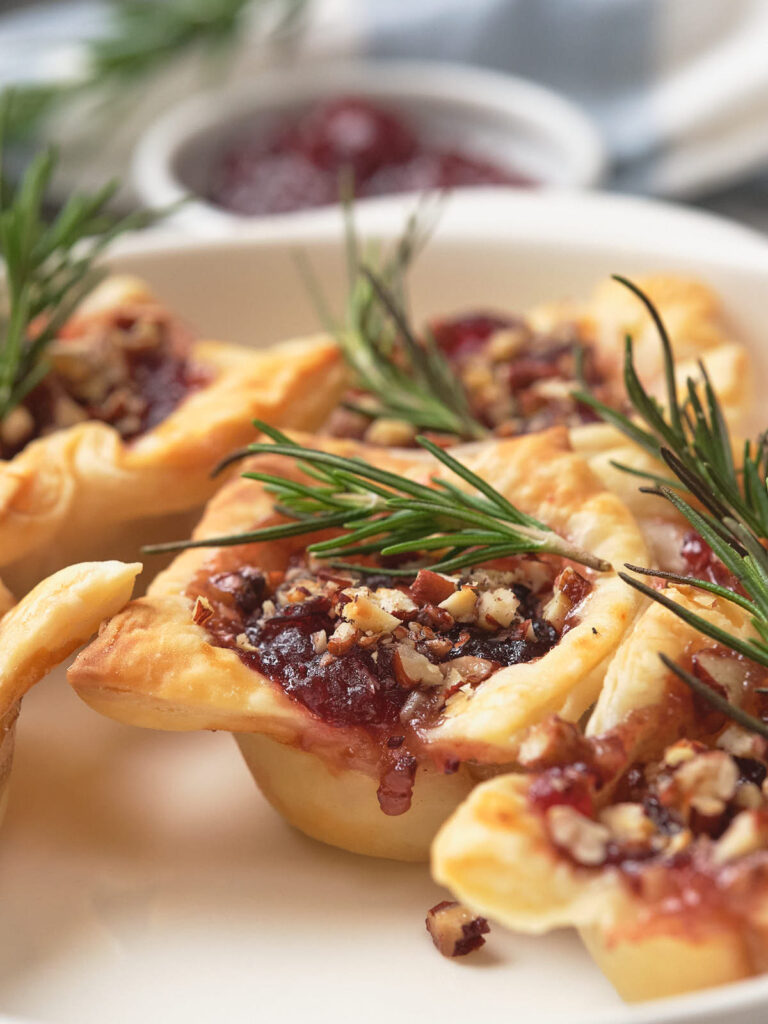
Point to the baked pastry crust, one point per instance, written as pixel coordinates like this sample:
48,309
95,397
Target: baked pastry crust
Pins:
495,853
637,679
83,492
55,618
152,666
50,622
495,856
699,331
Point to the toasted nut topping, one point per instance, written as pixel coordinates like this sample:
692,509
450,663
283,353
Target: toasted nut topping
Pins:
17,426
740,743
473,670
726,670
573,585
413,669
585,840
743,836
556,609
496,608
342,638
390,432
455,930
320,641
749,796
708,781
432,588
366,615
507,342
678,753
627,823
244,643
679,841
461,604
202,611
392,600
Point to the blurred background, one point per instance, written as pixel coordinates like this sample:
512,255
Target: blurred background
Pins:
657,97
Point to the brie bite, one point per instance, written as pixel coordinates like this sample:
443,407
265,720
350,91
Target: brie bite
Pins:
115,447
367,706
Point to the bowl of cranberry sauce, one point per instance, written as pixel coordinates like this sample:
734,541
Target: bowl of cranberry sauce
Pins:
300,163
280,146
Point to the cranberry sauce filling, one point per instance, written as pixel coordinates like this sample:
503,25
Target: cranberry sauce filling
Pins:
516,380
129,368
383,656
299,163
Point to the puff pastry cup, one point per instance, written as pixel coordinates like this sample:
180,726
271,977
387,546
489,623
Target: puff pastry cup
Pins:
44,628
519,372
161,663
650,835
84,492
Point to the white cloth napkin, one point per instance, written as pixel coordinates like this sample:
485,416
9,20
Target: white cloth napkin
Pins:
678,87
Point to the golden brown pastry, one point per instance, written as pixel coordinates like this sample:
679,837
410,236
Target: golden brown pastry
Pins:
698,329
116,446
651,835
519,374
355,696
50,622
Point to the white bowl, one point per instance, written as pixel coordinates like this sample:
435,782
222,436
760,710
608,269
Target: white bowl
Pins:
508,120
144,878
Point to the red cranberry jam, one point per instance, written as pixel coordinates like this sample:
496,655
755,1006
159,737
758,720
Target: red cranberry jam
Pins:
298,165
701,561
517,380
381,655
129,368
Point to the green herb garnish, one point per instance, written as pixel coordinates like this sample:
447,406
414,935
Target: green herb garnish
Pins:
405,377
142,38
382,513
49,267
731,510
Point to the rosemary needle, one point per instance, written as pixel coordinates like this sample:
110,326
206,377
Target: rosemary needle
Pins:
49,267
729,506
381,513
716,700
404,377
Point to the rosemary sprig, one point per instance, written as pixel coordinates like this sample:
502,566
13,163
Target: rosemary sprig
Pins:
143,37
731,515
144,34
405,377
383,513
691,437
49,267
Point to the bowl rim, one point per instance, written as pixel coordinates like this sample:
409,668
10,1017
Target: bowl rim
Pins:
572,218
542,111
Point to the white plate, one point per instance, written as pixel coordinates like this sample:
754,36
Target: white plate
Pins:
143,879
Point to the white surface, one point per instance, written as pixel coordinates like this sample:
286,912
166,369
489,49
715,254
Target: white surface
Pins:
142,878
505,119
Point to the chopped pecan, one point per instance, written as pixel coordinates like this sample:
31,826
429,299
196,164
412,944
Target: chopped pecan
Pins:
431,588
202,611
455,930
